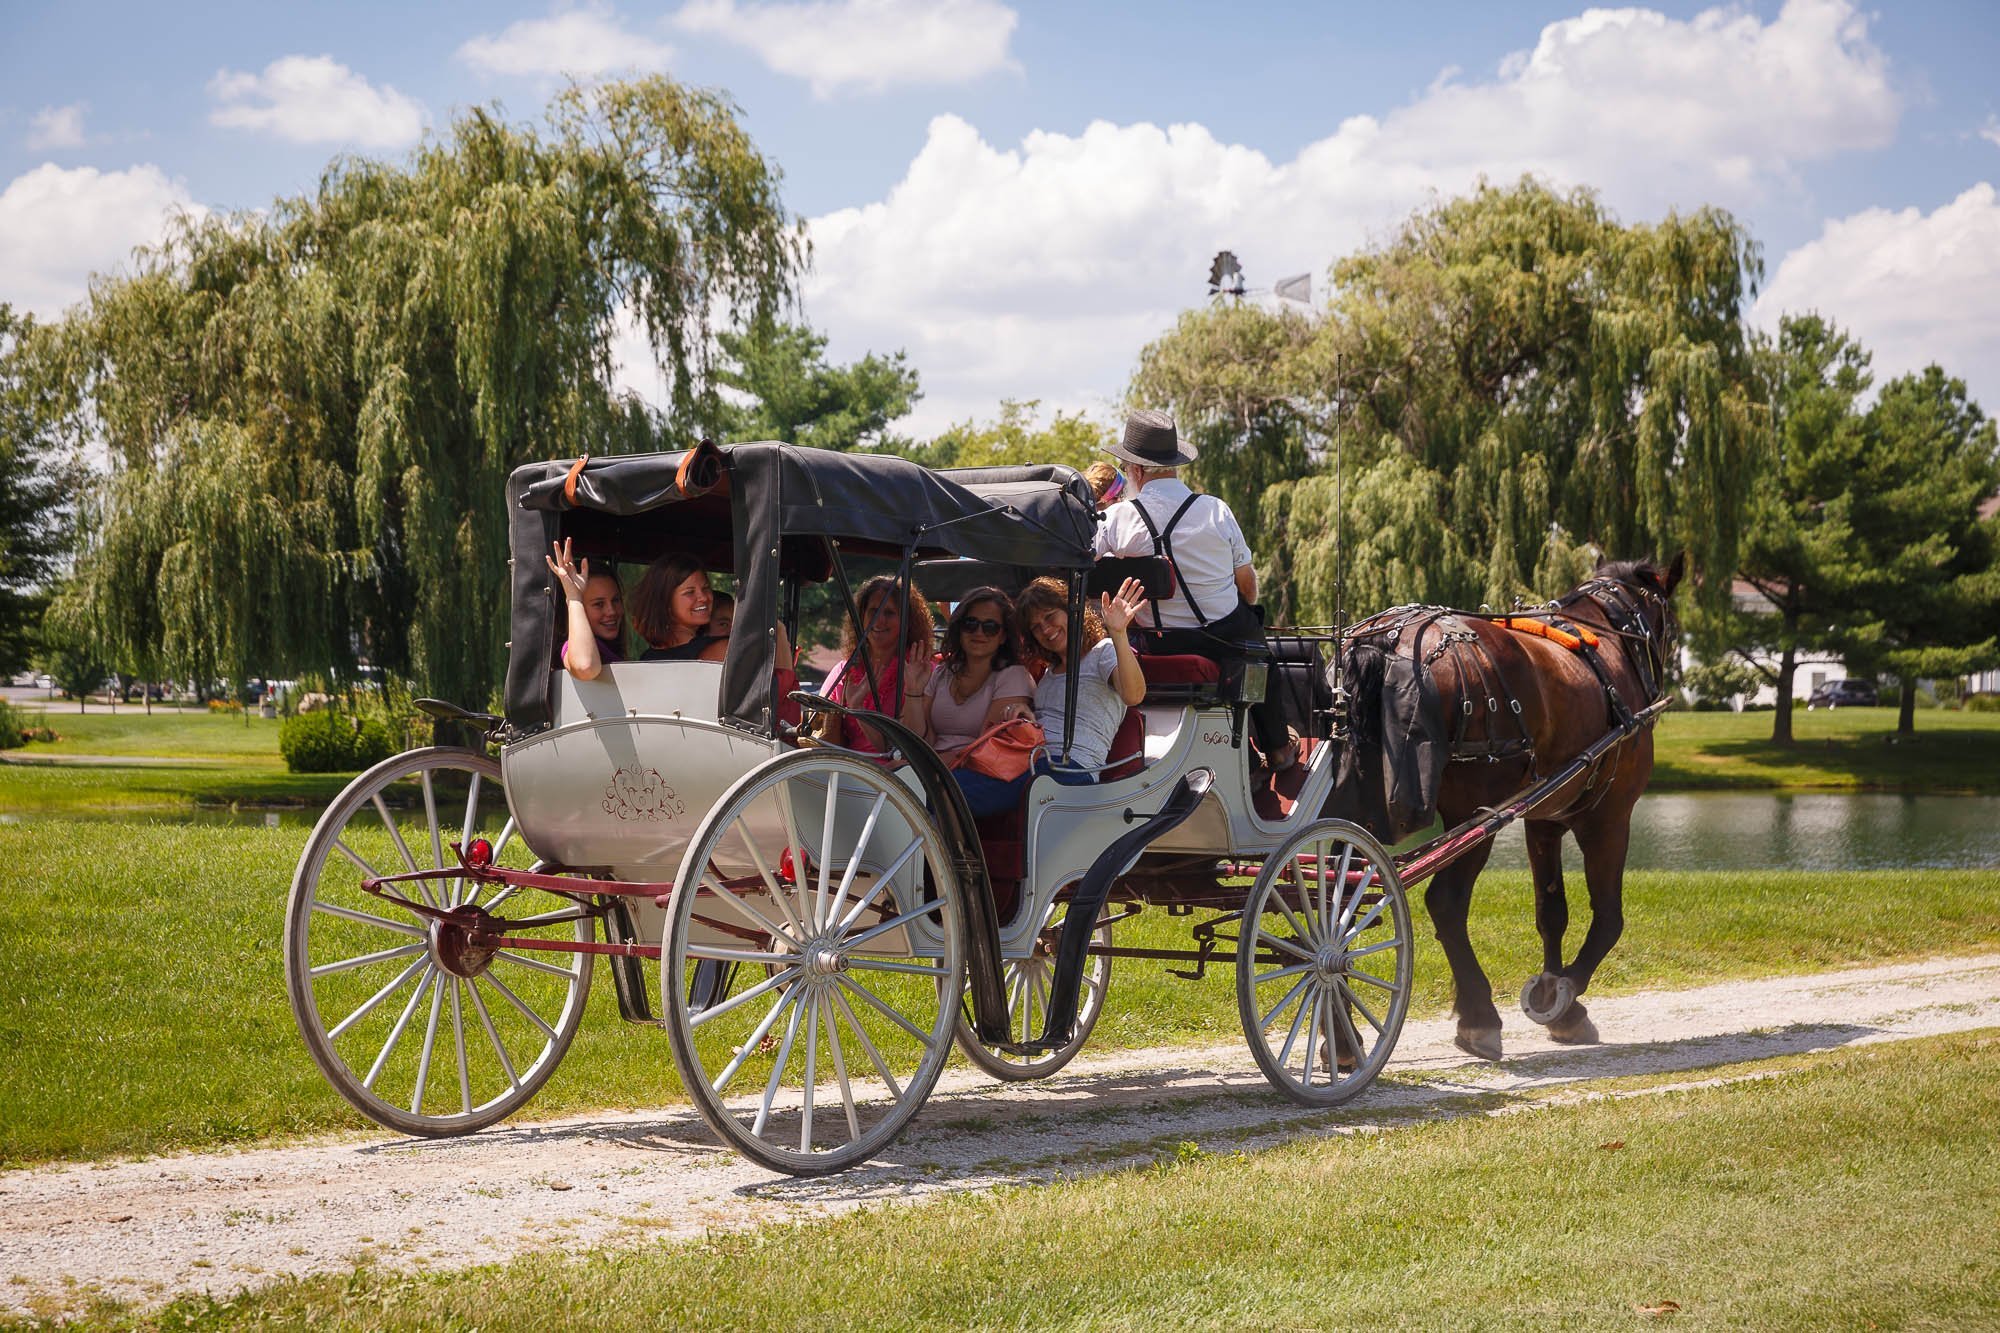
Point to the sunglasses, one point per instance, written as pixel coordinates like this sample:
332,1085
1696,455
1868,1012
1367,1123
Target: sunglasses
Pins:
971,626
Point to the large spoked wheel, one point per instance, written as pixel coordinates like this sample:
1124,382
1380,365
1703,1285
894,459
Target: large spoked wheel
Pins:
1026,984
421,1030
1323,964
825,873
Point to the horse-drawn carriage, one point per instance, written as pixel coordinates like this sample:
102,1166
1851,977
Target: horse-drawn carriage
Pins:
827,925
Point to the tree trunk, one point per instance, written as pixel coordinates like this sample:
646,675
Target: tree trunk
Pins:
1788,667
1906,713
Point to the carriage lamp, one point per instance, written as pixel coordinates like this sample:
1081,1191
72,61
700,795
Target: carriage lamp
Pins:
479,854
785,871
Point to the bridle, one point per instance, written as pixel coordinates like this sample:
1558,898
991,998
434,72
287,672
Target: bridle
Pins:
1641,615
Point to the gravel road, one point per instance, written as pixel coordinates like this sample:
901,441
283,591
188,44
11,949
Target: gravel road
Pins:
149,1229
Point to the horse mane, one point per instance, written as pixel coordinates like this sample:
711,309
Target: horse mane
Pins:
1633,571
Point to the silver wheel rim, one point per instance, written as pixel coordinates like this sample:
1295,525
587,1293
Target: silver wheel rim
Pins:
1324,964
823,1048
416,1030
1026,982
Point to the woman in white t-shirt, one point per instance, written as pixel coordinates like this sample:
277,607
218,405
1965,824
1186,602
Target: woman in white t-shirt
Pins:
1108,679
979,683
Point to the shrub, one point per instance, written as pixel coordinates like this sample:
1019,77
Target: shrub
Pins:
225,705
13,726
330,742
1982,703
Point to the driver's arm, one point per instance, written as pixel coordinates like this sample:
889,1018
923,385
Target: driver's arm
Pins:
1246,582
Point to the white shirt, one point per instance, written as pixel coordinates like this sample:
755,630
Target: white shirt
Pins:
1099,706
1208,548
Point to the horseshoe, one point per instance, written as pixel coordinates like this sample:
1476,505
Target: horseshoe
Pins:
1564,995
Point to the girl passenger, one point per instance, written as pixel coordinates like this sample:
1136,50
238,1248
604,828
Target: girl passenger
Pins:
596,615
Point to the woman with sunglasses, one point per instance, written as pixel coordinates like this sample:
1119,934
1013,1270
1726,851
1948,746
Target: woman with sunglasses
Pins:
979,683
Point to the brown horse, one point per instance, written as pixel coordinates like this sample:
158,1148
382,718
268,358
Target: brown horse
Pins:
1511,705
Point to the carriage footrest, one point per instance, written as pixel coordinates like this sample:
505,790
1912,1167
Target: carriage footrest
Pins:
1031,1049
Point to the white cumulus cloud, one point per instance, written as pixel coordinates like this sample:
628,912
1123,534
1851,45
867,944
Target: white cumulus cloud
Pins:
315,99
864,45
582,43
59,226
57,127
1040,270
1914,287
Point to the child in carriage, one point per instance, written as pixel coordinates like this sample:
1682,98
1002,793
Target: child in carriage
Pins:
596,614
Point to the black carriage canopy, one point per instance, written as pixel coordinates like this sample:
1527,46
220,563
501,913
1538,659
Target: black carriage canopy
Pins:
760,510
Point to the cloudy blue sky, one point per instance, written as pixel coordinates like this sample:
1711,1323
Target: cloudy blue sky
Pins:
1021,195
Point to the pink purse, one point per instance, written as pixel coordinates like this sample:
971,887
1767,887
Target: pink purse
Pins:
1004,750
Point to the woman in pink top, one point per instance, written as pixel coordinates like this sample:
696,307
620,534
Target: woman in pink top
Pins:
894,648
979,683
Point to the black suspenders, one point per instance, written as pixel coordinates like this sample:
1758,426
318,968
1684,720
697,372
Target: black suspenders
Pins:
1163,545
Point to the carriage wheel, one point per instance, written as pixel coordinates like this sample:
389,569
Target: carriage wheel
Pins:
1026,984
421,1031
827,874
1323,963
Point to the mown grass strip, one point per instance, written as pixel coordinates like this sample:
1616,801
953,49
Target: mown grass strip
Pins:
142,990
1845,749
1856,1190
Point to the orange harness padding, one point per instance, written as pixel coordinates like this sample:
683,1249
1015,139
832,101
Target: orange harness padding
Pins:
1561,638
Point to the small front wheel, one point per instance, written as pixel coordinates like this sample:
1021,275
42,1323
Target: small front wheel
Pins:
825,875
1324,962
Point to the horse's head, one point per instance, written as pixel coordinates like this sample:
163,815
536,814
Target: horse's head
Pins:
1640,593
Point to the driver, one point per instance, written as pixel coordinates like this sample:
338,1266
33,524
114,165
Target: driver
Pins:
1212,611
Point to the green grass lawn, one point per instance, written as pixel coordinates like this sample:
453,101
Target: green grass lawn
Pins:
175,734
1852,749
142,992
1852,1190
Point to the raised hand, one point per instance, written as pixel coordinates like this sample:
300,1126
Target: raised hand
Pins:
572,576
1121,609
916,668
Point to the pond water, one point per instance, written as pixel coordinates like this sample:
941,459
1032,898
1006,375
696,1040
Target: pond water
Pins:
1670,831
1807,831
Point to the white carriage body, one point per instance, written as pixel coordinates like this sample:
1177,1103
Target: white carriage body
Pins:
636,758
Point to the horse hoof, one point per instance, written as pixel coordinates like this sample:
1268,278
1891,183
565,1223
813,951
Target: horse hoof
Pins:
1480,1043
1574,1028
1547,997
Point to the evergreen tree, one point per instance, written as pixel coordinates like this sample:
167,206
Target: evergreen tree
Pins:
1799,550
790,393
1932,568
36,486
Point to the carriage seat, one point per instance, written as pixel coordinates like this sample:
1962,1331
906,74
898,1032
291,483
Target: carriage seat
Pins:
1180,678
1004,836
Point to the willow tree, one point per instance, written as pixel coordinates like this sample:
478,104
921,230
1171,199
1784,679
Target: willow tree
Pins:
1519,382
311,409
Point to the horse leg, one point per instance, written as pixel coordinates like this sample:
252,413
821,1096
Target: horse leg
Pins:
1449,901
1603,842
1548,994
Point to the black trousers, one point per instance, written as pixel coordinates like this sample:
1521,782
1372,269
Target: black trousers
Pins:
1245,627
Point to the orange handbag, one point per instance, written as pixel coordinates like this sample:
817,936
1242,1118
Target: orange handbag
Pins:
1004,750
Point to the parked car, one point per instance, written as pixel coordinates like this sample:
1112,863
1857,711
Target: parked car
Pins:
1844,694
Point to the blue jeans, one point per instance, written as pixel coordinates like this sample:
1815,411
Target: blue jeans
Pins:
1068,777
989,795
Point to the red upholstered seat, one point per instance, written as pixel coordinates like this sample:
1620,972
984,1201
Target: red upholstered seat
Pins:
1178,669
